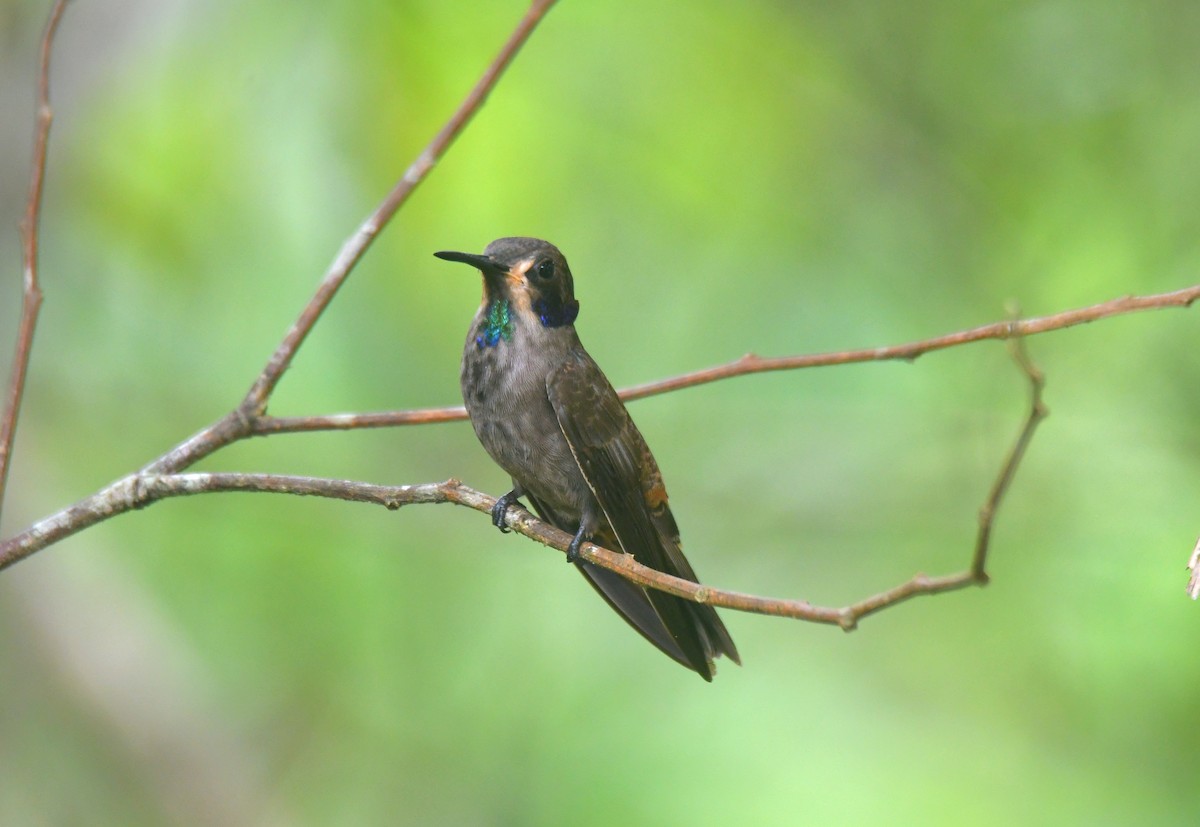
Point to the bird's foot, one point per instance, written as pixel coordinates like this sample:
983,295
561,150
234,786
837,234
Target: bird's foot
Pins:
573,550
499,509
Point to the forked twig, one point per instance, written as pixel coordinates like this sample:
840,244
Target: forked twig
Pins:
976,575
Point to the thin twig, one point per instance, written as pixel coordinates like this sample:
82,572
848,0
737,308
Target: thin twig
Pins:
32,300
976,575
1037,412
144,488
267,425
750,364
908,352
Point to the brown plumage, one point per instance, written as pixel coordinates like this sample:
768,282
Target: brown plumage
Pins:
549,417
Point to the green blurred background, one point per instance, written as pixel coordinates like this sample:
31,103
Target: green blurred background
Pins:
772,177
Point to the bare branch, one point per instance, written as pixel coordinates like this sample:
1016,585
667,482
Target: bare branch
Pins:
976,575
267,425
146,487
751,363
32,300
1037,412
908,352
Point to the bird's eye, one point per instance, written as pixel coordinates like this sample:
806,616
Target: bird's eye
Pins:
545,269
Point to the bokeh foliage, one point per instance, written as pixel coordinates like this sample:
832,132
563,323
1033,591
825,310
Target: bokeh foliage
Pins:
762,176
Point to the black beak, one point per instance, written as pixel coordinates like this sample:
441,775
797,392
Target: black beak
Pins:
485,263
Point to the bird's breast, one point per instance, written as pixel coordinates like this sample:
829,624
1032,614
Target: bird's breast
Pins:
504,389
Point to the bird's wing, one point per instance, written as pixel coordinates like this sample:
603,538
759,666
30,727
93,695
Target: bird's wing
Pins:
623,476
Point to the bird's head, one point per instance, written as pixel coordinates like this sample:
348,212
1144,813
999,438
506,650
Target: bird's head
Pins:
528,273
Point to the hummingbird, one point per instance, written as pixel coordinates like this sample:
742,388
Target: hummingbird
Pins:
549,417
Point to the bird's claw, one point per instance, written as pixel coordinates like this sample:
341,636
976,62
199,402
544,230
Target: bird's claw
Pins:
573,549
500,509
